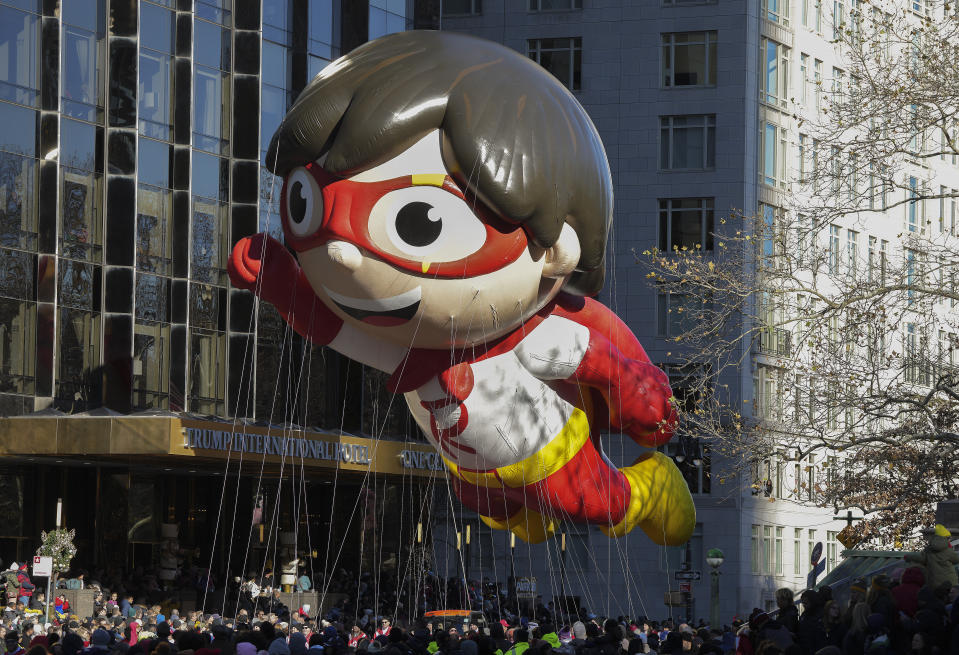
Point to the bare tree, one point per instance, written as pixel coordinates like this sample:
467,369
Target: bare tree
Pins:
842,303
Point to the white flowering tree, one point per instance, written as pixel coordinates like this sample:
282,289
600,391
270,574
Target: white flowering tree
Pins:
58,544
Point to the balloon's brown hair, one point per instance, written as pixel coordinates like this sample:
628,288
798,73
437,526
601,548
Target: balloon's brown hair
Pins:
513,135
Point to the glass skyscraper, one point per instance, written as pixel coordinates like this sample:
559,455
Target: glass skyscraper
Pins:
132,134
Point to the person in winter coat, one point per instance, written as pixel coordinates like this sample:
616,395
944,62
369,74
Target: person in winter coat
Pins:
855,638
938,557
812,632
833,623
520,642
788,612
906,594
880,599
11,584
26,587
578,640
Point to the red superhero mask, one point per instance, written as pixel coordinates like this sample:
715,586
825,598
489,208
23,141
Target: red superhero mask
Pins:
422,224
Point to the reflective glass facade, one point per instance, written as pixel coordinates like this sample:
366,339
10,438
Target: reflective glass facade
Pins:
132,138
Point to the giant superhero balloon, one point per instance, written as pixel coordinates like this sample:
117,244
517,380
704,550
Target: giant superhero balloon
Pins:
448,201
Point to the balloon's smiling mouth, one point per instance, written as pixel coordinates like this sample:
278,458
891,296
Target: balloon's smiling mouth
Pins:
382,312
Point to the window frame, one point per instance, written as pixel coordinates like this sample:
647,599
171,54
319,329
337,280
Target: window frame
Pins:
710,58
535,50
707,221
780,74
574,5
667,126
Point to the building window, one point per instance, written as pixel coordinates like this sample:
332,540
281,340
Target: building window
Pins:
776,10
210,240
275,91
774,80
771,243
18,177
211,87
774,149
769,554
462,7
811,467
755,547
217,11
686,223
817,82
834,249
802,166
78,347
83,52
554,5
561,57
912,207
676,314
277,20
797,551
852,251
692,459
20,45
687,142
321,30
151,343
207,349
18,322
838,82
689,59
803,78
155,93
386,17
154,233
778,553
81,186
838,18
832,550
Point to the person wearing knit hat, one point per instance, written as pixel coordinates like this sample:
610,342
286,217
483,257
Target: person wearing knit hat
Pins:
245,648
938,557
100,640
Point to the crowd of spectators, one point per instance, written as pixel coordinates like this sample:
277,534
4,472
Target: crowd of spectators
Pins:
882,616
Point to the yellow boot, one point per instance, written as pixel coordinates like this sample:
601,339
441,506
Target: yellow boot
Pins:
659,502
529,525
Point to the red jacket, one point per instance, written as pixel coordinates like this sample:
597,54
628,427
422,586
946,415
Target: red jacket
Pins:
907,592
26,587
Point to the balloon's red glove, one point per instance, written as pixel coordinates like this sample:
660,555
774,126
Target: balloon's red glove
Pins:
262,264
637,393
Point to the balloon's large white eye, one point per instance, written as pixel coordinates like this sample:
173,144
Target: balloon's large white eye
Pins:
426,222
304,203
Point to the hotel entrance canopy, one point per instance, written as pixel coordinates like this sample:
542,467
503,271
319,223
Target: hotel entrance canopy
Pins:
187,442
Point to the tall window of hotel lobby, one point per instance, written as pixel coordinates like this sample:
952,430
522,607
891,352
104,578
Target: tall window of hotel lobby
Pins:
19,94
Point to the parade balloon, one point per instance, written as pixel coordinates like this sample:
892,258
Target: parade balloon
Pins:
448,202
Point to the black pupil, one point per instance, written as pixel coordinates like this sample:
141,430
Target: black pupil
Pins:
414,225
297,203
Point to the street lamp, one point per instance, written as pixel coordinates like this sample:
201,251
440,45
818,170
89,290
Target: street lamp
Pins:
715,559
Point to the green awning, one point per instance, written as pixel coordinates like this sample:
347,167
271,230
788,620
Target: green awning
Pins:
860,564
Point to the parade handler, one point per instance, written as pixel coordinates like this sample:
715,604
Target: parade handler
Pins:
448,201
